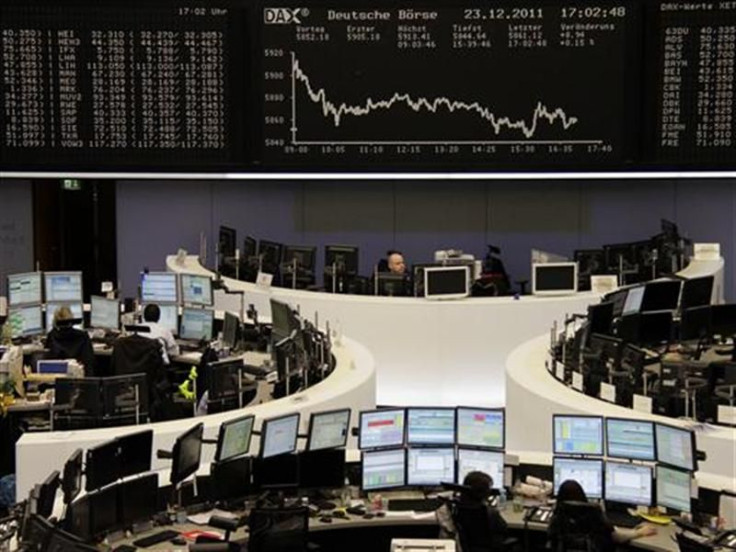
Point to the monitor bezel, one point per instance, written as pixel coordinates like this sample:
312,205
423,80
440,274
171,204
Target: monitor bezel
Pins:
363,453
578,454
38,331
438,296
693,449
657,500
553,292
451,449
457,426
80,299
221,437
92,299
196,309
160,273
654,438
461,449
637,466
177,476
76,459
360,428
312,418
264,432
600,462
431,444
209,301
23,274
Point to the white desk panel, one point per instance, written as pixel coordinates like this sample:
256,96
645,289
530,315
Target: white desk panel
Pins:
426,352
533,395
351,385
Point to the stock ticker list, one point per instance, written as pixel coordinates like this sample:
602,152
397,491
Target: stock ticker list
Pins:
697,60
492,85
114,85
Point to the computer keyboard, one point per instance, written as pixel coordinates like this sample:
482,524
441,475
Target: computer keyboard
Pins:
156,538
414,504
622,519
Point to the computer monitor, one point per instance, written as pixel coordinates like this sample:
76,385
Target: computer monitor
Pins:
80,396
159,287
234,438
25,321
281,320
63,287
608,347
554,278
381,428
196,289
446,282
618,300
600,318
276,472
186,454
250,247
723,320
24,289
480,427
138,499
620,255
71,482
655,328
628,483
304,255
673,489
49,367
696,292
587,472
430,466
695,323
675,446
634,298
102,465
322,469
121,394
389,284
271,254
278,435
630,439
47,494
169,318
227,240
77,313
430,426
135,451
486,461
328,430
103,511
104,313
383,469
661,295
344,257
231,479
222,379
230,330
578,434
196,324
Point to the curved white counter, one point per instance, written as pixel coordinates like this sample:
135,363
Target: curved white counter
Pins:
351,385
533,395
426,352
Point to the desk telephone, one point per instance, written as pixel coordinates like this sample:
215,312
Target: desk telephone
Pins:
538,514
727,539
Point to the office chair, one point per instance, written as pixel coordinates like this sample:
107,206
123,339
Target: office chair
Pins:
475,531
136,354
278,529
580,527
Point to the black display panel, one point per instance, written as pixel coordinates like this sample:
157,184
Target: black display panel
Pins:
118,84
439,84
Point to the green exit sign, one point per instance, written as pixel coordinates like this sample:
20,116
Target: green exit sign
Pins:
71,184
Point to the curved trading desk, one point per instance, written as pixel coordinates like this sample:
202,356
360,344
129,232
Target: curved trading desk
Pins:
533,395
427,352
352,384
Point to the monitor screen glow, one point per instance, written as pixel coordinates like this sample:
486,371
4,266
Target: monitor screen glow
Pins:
104,313
429,466
25,321
278,435
381,428
329,429
578,435
675,446
589,473
196,289
234,438
196,324
383,469
631,439
628,483
159,287
430,426
24,289
480,427
63,287
487,461
77,313
673,489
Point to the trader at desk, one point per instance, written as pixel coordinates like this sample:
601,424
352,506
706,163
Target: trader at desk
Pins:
64,341
169,346
395,262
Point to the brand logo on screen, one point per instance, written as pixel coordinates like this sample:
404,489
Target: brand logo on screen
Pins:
284,16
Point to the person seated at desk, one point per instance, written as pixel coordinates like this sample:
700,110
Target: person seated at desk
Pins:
594,526
393,277
480,526
394,263
169,346
66,342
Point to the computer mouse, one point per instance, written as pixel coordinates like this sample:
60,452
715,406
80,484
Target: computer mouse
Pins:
325,519
380,514
179,541
367,516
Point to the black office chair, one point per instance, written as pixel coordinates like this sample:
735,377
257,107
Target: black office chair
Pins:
580,527
137,354
278,529
476,531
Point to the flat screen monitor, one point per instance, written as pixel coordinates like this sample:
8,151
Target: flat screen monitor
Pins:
618,300
446,282
102,465
554,278
675,446
322,469
630,439
344,257
82,396
159,287
230,330
78,518
673,489
227,240
430,466
480,427
138,499
696,292
103,510
46,495
655,328
250,247
270,254
486,461
223,379
634,297
383,469
169,318
628,483
276,472
278,435
234,438
120,394
589,473
304,255
695,323
71,481
659,296
328,430
281,324
186,454
381,428
24,289
196,324
104,313
77,313
389,284
430,426
63,287
25,321
52,367
231,479
578,435
723,320
600,318
196,289
136,451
